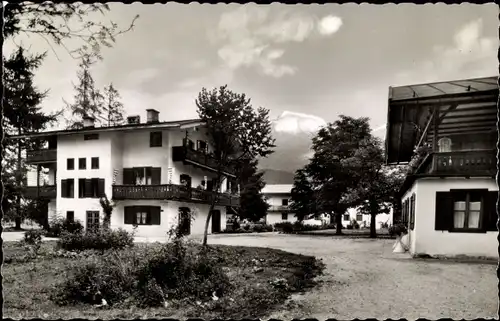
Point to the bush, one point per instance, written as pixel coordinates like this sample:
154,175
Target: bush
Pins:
285,227
102,240
33,237
398,229
349,227
60,225
384,225
147,277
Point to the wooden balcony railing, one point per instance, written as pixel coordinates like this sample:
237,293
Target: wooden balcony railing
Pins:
183,153
172,192
47,191
41,156
468,163
278,208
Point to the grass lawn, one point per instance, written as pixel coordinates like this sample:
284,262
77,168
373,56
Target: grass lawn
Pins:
27,286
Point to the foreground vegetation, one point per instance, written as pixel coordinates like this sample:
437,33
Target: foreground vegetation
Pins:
179,279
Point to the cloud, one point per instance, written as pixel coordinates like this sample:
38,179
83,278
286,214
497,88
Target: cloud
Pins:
470,53
139,76
329,25
249,35
293,123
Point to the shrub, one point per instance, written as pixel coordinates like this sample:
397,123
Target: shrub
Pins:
398,229
100,240
349,227
148,276
285,227
33,237
60,225
384,225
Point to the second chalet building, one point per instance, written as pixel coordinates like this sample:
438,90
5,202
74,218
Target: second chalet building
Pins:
159,174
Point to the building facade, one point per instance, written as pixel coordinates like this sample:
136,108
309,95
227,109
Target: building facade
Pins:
159,174
278,196
447,134
364,220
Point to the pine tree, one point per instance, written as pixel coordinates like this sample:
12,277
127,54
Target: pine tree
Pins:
22,114
113,106
303,196
253,206
88,101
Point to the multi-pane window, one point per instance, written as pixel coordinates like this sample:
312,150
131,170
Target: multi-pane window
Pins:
284,202
70,216
82,163
359,217
70,163
92,221
94,163
142,215
284,216
67,188
467,208
346,217
142,176
91,187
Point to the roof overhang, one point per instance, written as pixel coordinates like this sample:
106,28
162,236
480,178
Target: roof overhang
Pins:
184,124
461,107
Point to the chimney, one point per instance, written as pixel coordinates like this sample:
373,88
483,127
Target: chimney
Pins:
133,120
88,121
152,115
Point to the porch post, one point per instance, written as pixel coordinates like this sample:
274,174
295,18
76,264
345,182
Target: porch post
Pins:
435,119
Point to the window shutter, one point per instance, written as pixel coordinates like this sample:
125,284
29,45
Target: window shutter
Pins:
88,187
412,212
100,187
64,188
156,176
128,176
490,211
444,211
129,214
154,214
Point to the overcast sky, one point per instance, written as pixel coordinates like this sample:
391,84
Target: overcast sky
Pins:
306,63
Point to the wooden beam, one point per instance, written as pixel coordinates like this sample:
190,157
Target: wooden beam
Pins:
444,113
488,115
480,108
462,132
436,131
424,133
444,129
465,98
485,122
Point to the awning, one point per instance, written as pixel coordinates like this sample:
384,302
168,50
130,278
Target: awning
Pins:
463,107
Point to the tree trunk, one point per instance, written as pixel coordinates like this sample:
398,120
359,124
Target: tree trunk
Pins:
19,182
212,206
373,227
338,223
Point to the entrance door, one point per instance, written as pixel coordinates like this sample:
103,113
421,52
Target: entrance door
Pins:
92,221
185,220
215,221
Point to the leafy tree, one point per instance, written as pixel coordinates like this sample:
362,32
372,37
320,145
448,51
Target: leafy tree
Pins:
331,168
235,130
88,101
253,206
22,114
60,22
303,196
113,106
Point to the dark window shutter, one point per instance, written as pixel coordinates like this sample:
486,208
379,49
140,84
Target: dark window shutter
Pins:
156,175
71,188
128,176
129,214
70,216
88,187
154,214
490,211
64,188
100,187
412,212
444,211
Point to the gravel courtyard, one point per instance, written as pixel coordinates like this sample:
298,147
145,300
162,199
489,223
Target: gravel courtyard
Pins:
364,279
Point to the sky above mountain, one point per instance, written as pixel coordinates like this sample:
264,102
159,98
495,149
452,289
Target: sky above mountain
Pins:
306,63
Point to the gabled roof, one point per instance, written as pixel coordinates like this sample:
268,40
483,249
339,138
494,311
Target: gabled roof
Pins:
277,189
181,124
463,107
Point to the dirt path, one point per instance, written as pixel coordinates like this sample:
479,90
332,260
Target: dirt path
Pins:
364,279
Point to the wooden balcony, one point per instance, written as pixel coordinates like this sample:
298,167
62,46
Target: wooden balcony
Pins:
460,163
172,192
198,158
41,156
47,192
278,208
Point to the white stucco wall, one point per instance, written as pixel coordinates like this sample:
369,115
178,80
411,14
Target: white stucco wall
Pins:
73,146
168,219
426,240
380,218
275,217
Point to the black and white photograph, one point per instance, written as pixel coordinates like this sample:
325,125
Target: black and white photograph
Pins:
250,161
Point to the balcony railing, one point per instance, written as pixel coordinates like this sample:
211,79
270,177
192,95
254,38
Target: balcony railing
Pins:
41,156
47,191
279,208
468,163
185,153
172,192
